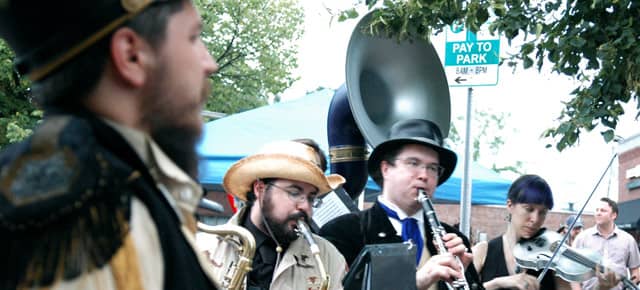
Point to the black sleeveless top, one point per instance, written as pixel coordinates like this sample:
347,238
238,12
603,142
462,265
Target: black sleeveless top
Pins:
497,267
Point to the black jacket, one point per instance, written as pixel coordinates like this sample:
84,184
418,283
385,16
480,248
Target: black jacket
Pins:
351,232
65,200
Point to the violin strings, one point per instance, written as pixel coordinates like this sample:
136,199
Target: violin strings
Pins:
573,255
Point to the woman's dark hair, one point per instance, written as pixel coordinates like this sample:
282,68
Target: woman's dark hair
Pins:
531,188
66,87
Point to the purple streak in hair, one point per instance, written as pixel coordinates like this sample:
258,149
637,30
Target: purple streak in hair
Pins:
531,189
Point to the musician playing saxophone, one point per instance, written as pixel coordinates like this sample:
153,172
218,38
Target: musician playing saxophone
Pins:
280,185
412,158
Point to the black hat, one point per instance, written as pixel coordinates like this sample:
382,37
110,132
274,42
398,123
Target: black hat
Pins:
414,131
46,34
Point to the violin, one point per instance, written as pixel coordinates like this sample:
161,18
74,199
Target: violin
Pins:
570,264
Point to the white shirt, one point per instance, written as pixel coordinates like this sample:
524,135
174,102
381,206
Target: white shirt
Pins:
397,224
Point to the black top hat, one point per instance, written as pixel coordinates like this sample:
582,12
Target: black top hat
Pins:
414,131
46,34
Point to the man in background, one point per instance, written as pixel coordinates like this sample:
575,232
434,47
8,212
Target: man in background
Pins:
577,228
617,248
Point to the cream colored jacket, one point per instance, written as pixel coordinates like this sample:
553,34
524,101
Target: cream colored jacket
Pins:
297,269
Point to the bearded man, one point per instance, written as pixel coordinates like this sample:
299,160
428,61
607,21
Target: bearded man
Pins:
102,195
280,185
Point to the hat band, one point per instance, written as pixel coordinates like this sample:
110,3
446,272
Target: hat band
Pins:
44,70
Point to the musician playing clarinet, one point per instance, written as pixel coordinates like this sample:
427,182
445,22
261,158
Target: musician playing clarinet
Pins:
412,159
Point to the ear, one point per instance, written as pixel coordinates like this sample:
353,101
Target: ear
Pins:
384,166
130,55
258,189
509,204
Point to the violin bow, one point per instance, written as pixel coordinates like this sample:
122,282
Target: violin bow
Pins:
579,214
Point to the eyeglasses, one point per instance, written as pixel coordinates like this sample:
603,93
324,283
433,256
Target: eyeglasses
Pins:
415,165
299,197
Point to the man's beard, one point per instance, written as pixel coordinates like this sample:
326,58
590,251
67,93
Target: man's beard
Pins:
180,145
280,229
177,139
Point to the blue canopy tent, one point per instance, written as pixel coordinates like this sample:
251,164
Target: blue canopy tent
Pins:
228,139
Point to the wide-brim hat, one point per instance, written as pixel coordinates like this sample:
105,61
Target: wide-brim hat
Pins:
283,159
414,131
46,34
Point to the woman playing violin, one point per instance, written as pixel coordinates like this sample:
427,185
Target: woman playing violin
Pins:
528,201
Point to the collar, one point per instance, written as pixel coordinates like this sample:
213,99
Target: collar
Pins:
615,232
419,216
259,236
150,152
137,139
178,188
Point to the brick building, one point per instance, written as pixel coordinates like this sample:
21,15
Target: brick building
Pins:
629,169
629,185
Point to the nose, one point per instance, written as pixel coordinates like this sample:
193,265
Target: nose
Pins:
422,174
536,216
305,206
209,64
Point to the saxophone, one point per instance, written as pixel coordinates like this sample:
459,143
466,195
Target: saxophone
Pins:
246,247
303,230
438,232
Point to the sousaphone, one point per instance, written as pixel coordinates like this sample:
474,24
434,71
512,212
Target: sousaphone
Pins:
387,80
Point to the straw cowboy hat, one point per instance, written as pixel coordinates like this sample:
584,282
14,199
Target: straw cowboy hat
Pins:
414,131
282,159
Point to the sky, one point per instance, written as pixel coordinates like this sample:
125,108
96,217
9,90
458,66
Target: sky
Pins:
533,101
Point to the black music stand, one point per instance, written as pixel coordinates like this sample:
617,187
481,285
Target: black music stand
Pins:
382,267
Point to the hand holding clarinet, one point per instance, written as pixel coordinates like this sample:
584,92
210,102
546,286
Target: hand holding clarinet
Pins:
452,258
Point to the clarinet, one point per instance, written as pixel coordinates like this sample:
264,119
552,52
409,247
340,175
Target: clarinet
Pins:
438,231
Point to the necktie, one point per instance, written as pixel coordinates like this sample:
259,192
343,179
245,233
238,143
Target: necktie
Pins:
410,230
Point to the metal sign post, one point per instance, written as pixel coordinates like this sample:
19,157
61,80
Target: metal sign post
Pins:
470,60
465,195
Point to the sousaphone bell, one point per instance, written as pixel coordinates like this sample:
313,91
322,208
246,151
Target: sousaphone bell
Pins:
387,80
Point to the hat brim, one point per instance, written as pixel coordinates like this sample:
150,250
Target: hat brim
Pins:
240,177
448,158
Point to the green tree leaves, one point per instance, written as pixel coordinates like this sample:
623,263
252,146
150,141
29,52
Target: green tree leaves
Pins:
594,42
253,41
254,44
18,115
